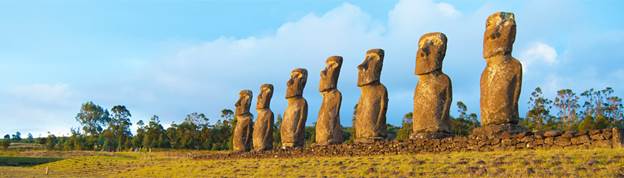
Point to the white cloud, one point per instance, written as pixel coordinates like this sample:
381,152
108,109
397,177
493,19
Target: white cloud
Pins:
216,70
448,10
45,107
410,18
46,93
206,76
551,84
538,53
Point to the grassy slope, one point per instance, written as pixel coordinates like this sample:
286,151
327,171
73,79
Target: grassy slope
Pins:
539,163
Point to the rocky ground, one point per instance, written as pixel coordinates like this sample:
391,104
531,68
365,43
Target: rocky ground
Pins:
605,138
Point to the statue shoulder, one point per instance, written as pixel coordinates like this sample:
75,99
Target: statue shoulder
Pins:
445,78
515,62
337,92
382,86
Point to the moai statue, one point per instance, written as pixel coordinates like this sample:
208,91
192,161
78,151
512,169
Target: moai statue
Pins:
263,128
370,114
501,79
433,94
241,140
293,125
328,129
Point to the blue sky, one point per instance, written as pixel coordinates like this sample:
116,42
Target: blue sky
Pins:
171,58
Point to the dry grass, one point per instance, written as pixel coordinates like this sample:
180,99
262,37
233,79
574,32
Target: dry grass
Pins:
525,163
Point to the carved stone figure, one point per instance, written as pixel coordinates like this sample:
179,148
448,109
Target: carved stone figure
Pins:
241,140
501,79
293,126
263,128
370,114
328,129
433,94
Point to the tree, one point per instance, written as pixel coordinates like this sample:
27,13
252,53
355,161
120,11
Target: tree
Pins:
17,137
539,110
30,138
406,127
310,134
221,132
227,114
277,138
392,132
347,134
155,136
229,121
587,123
51,141
352,131
205,133
6,142
595,109
137,140
567,103
463,124
615,111
76,140
187,133
109,142
93,118
119,127
172,135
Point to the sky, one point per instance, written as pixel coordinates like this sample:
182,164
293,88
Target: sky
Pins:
170,58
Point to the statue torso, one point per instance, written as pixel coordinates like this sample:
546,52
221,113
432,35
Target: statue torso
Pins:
430,99
499,81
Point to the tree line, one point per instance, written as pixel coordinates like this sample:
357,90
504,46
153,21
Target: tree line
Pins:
105,130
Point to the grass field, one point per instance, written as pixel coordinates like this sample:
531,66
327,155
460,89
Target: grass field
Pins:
525,163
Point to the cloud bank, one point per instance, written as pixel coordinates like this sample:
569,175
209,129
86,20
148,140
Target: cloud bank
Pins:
206,76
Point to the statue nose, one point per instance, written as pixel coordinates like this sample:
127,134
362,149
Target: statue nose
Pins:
364,65
290,82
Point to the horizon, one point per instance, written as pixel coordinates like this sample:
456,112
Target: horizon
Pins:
171,59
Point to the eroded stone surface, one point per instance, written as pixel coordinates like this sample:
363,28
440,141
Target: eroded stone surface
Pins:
241,140
328,129
370,114
433,93
292,128
263,127
448,144
501,79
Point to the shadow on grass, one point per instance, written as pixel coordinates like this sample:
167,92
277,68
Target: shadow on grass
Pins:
25,161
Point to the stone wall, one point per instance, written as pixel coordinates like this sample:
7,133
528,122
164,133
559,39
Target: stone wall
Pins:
605,138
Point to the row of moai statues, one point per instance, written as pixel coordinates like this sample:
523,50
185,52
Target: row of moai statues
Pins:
500,89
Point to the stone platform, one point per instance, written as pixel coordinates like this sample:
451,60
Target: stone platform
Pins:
605,138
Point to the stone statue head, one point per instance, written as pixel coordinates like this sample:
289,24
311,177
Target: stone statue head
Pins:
295,85
264,98
329,75
370,70
500,34
244,102
431,51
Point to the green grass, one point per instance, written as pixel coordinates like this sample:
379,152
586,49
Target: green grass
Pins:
524,163
24,161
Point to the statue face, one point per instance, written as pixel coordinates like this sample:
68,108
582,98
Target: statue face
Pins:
329,75
431,51
370,70
500,34
244,102
264,98
295,85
